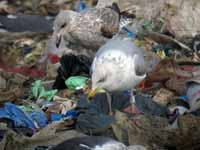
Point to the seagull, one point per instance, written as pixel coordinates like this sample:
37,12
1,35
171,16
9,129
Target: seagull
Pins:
119,65
94,143
89,28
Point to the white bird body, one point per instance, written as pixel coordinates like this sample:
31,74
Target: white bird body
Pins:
94,143
118,65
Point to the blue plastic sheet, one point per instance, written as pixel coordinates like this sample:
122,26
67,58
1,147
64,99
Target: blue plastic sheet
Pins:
80,6
21,119
39,118
69,114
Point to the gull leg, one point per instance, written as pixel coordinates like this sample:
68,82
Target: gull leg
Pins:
132,97
132,100
109,100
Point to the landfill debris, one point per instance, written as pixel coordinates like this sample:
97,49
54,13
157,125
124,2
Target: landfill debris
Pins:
53,7
39,7
47,74
193,93
148,106
20,119
48,136
76,82
25,23
61,107
171,16
163,96
2,83
144,129
173,74
94,118
39,92
13,59
71,65
15,87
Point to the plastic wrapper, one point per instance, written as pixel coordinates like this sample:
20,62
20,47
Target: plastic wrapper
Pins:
76,82
38,91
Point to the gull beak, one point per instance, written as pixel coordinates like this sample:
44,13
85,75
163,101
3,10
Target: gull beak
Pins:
58,40
92,93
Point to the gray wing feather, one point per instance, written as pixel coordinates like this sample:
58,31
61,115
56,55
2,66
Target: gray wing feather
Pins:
140,66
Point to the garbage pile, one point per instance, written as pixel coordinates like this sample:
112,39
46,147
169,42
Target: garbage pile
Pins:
60,76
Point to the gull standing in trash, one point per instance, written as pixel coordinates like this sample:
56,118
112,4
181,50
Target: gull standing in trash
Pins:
118,66
94,143
90,28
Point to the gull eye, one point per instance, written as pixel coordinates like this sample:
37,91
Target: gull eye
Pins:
101,80
63,25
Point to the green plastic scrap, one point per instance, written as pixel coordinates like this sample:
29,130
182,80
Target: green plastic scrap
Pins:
76,82
26,108
38,91
148,24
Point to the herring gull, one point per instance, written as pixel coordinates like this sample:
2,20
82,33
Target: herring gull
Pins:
118,66
90,28
94,143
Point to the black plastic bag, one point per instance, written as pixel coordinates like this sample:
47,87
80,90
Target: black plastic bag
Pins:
71,65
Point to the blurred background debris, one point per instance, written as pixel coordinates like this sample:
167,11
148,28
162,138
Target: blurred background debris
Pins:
46,51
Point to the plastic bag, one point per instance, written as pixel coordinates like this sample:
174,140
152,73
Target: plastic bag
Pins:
38,91
76,82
